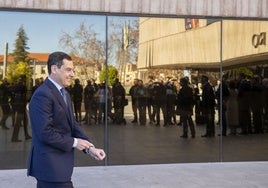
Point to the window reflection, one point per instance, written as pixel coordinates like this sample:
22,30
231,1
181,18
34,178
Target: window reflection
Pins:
173,90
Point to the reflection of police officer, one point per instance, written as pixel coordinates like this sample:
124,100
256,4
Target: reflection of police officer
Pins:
159,100
198,98
118,92
4,97
171,99
185,107
208,107
244,88
133,94
77,96
19,109
142,102
90,102
150,107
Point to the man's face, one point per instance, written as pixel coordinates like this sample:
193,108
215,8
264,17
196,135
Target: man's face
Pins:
63,75
136,82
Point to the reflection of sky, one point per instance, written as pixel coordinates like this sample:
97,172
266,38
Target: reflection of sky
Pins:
44,29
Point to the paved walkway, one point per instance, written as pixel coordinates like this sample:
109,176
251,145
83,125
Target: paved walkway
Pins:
198,175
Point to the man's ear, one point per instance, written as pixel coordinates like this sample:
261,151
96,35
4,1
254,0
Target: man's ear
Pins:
54,69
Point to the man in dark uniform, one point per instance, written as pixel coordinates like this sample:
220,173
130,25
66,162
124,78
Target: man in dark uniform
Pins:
133,94
171,100
159,101
119,96
19,103
142,102
208,107
90,103
151,113
222,105
4,102
77,96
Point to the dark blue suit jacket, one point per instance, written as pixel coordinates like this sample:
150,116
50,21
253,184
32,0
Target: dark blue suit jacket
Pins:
53,131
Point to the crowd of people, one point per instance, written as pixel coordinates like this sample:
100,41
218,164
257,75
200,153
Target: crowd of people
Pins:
94,97
13,101
241,104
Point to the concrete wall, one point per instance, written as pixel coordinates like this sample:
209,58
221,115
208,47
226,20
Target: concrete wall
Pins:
214,8
243,42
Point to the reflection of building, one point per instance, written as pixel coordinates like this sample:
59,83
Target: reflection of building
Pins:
38,64
131,74
191,23
166,43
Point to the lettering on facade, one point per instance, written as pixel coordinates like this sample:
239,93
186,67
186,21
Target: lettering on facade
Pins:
259,39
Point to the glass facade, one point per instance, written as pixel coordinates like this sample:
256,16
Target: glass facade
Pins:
177,90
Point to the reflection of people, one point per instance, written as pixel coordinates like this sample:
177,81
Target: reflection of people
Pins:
19,103
133,94
119,97
77,96
185,107
90,103
4,102
208,105
232,109
54,129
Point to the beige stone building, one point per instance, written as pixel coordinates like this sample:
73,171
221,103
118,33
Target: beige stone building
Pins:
170,43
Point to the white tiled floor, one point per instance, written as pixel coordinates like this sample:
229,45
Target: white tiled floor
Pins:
190,175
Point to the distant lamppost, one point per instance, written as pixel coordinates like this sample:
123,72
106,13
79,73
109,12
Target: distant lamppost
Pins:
34,61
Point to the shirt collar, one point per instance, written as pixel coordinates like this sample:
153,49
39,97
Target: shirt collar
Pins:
55,83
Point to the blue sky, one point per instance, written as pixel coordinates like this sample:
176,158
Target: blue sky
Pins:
44,29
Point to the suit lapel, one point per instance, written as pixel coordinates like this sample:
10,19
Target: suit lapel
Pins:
55,92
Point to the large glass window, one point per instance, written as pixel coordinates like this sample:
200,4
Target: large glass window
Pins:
156,90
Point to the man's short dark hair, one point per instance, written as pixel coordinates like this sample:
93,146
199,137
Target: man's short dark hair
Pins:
56,58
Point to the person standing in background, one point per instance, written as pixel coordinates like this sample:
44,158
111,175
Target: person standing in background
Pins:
185,103
19,103
208,107
119,97
5,95
232,109
77,96
90,103
199,118
221,105
142,102
134,99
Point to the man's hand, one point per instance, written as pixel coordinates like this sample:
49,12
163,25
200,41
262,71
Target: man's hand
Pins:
83,144
96,153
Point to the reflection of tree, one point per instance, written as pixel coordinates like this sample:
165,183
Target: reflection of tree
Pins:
112,75
124,42
19,68
20,47
86,49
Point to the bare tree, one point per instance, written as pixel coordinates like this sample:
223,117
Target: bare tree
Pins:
86,49
123,40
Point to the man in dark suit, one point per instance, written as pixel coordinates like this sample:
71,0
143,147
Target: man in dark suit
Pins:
55,131
208,107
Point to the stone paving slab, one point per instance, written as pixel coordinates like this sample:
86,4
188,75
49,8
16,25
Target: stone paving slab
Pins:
187,175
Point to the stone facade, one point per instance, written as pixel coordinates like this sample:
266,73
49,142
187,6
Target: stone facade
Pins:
172,8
